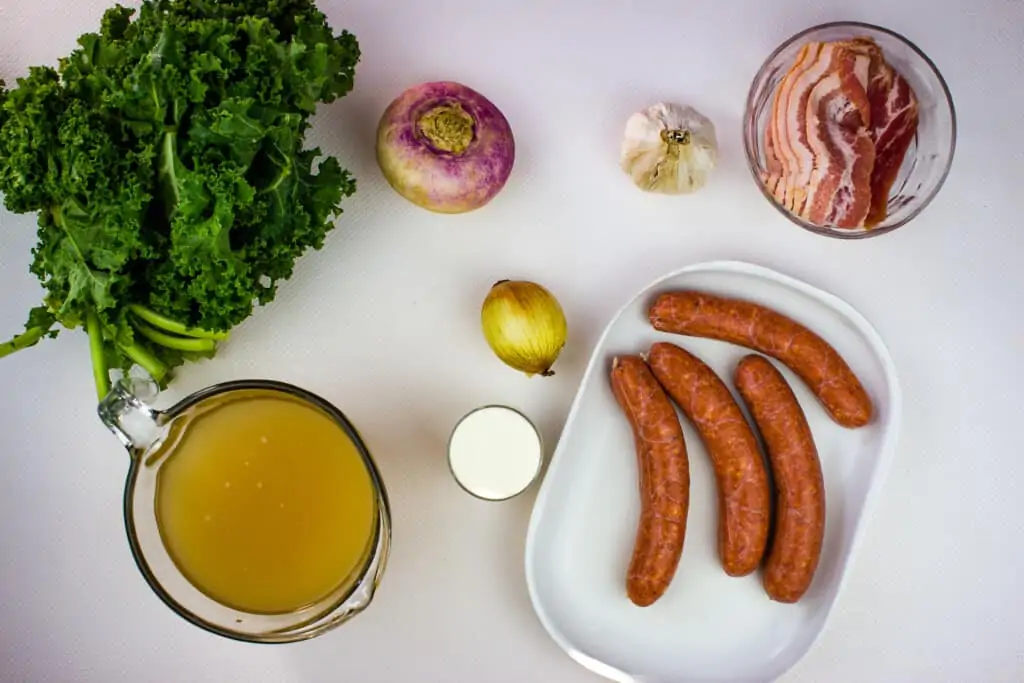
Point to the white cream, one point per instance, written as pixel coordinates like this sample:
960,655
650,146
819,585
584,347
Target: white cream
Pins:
495,452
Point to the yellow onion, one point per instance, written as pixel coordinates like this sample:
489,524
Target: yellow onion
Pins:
524,326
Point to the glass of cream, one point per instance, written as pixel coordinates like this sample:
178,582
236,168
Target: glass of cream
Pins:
495,452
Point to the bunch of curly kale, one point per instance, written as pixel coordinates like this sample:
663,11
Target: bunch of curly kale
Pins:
164,158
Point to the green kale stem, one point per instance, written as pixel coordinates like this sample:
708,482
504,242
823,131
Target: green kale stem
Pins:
173,326
172,342
150,363
100,372
23,340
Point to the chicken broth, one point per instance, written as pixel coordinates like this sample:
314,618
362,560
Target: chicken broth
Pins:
263,502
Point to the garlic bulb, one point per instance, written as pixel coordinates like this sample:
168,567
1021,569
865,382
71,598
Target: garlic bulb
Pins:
669,148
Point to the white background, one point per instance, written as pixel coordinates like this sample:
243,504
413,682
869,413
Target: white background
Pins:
384,322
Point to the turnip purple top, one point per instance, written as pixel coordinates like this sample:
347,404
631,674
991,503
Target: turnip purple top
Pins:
445,147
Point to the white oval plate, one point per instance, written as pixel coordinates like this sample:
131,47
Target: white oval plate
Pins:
708,626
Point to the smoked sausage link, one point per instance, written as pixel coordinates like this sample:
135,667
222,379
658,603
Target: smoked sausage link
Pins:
748,324
664,477
744,496
800,488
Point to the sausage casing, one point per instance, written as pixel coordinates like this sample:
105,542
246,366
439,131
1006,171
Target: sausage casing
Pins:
664,478
800,488
744,496
757,327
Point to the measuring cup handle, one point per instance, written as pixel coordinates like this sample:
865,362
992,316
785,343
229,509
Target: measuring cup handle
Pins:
123,411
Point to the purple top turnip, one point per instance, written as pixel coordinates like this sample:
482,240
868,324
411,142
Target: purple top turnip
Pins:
445,147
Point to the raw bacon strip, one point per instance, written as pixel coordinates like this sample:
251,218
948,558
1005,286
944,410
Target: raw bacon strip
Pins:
832,59
773,176
880,76
839,191
797,124
894,117
894,127
780,115
852,200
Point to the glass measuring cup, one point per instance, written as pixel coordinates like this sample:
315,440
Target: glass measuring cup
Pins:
154,438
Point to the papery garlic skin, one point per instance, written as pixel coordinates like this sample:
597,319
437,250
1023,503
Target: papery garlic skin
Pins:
669,148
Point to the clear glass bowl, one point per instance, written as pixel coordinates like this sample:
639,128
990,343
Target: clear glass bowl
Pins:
927,161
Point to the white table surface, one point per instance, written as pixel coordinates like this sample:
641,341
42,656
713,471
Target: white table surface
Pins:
384,322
